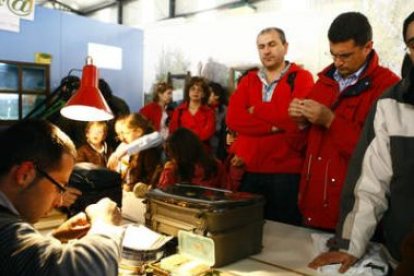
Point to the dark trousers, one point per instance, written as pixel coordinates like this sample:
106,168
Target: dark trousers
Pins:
280,192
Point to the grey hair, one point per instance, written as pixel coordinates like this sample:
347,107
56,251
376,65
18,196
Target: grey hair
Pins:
274,29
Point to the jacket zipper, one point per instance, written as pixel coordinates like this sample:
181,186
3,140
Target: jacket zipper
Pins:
307,178
308,168
325,188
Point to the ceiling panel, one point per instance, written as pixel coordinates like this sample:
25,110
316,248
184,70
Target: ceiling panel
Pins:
185,6
79,5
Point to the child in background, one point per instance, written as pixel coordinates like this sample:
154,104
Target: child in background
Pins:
95,150
189,162
140,165
218,102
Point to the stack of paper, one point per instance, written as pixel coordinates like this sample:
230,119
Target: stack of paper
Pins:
139,237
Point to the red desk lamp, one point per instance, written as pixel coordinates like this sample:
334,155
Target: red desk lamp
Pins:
88,104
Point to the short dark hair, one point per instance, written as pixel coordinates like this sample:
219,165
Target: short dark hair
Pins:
105,89
350,25
406,66
407,22
34,140
204,86
219,91
274,29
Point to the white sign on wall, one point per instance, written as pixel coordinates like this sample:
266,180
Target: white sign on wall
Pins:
9,22
23,9
11,11
105,56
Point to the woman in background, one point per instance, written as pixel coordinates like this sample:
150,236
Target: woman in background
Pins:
158,111
194,113
218,102
189,162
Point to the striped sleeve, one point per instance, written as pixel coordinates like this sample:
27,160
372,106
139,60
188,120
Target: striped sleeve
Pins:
364,197
24,251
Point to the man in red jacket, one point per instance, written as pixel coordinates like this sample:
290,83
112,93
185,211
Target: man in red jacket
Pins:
336,110
269,143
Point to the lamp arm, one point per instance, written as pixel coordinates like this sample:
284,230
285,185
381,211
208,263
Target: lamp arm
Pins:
52,98
55,95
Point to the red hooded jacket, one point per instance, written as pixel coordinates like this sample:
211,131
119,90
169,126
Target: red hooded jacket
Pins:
153,112
261,150
329,150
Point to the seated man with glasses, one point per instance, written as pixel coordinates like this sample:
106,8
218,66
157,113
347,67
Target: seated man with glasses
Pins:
335,112
36,162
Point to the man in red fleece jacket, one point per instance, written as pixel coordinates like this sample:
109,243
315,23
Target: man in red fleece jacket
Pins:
269,143
336,111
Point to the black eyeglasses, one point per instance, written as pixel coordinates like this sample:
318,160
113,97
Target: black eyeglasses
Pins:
51,179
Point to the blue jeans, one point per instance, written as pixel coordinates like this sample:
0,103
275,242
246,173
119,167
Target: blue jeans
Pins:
280,192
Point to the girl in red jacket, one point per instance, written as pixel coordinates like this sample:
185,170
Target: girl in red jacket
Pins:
158,111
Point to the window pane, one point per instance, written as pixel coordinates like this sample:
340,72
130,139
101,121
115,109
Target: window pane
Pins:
30,101
178,92
34,79
9,77
9,107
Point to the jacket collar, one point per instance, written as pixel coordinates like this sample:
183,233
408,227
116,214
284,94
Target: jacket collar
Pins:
364,81
372,64
184,106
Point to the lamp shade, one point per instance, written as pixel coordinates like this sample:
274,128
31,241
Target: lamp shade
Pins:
88,104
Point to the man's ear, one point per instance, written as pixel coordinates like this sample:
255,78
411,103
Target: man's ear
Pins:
286,47
24,174
369,46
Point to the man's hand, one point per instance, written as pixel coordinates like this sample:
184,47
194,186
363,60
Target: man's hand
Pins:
250,110
317,113
230,138
295,112
104,211
70,196
236,161
334,257
74,228
113,161
140,189
126,187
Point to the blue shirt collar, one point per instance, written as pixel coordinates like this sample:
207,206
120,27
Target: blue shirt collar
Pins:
349,80
262,74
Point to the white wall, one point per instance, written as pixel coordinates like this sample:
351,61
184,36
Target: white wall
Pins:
229,38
